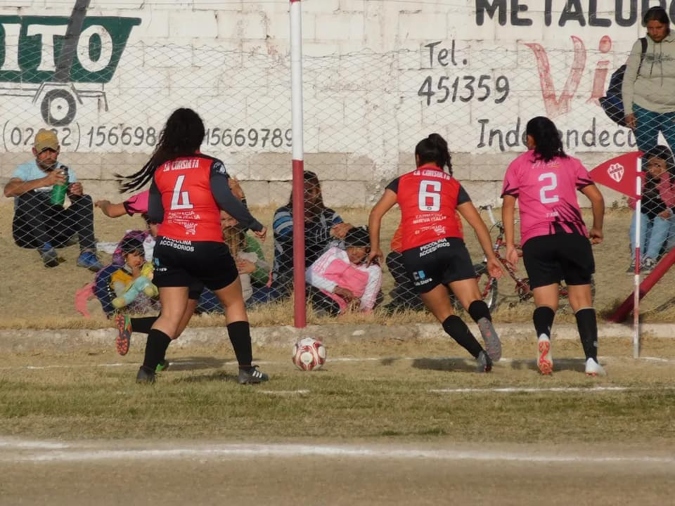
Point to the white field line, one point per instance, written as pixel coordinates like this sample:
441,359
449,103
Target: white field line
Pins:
517,390
82,453
283,392
31,445
87,366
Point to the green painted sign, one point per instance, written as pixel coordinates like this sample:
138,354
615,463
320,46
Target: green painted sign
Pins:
30,47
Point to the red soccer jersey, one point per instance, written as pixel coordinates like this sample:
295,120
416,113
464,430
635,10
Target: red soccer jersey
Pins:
190,211
428,198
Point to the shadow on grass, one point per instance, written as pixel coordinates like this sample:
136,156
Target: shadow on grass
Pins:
445,364
197,363
209,377
559,365
469,365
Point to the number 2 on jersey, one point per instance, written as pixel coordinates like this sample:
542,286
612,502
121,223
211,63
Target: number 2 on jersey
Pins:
552,185
429,195
180,199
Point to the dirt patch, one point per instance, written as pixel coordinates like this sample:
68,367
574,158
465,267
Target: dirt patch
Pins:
210,473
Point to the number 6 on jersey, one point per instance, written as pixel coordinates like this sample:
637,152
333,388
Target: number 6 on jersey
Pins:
430,195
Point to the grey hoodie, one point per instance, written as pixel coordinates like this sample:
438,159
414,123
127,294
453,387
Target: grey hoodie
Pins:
654,88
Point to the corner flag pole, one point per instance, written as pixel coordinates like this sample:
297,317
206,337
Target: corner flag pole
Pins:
636,281
298,164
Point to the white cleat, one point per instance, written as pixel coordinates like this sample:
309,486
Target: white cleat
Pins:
544,360
594,369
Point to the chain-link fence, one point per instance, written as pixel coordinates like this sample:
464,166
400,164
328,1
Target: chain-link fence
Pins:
106,84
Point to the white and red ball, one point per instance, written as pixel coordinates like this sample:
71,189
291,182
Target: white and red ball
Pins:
309,354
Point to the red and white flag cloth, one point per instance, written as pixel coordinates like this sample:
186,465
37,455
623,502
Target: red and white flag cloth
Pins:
619,173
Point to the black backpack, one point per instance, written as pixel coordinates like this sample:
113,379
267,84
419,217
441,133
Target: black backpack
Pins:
612,103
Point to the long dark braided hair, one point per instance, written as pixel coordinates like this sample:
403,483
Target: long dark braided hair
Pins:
182,136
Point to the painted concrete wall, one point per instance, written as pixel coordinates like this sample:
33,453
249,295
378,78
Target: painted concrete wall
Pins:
379,76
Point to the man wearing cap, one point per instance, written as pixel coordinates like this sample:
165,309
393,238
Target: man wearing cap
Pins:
45,226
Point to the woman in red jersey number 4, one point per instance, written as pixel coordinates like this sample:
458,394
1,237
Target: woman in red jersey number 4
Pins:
554,238
434,253
187,193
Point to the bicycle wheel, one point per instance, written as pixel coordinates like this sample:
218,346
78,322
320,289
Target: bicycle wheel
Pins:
487,285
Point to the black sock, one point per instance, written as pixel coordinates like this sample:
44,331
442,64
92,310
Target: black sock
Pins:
587,324
143,325
457,329
543,318
478,309
155,349
240,337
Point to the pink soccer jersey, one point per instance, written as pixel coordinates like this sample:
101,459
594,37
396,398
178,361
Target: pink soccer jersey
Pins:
547,194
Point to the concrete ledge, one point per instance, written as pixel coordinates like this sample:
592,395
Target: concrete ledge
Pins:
63,340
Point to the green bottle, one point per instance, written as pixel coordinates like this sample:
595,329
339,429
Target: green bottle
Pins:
59,191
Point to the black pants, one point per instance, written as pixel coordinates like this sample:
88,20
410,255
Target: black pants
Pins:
322,302
36,221
404,293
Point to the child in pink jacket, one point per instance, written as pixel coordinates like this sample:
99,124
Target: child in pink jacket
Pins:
341,280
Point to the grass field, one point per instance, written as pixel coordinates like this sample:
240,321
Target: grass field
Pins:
36,297
381,390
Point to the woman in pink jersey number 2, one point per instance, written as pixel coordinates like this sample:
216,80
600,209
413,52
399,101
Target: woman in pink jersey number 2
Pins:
434,253
554,238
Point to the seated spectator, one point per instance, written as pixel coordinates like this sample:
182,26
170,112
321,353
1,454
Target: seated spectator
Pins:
102,282
658,202
132,282
341,280
322,225
254,271
43,223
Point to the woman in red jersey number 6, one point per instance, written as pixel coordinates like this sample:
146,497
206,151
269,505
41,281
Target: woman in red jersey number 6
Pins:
188,191
434,253
554,238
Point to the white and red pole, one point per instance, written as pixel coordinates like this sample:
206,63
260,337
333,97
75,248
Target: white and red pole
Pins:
636,281
300,312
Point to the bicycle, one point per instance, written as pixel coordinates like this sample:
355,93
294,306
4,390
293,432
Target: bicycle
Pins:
488,284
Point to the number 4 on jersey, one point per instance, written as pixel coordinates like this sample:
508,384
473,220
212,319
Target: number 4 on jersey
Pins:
180,199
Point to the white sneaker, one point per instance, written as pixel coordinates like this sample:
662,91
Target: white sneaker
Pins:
594,369
544,361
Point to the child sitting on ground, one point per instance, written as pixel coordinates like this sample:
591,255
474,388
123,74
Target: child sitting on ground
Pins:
132,283
248,262
341,279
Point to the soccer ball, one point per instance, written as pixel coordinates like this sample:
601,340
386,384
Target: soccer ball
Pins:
309,354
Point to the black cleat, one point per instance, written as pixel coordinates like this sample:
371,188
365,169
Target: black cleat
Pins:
483,362
252,376
145,375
